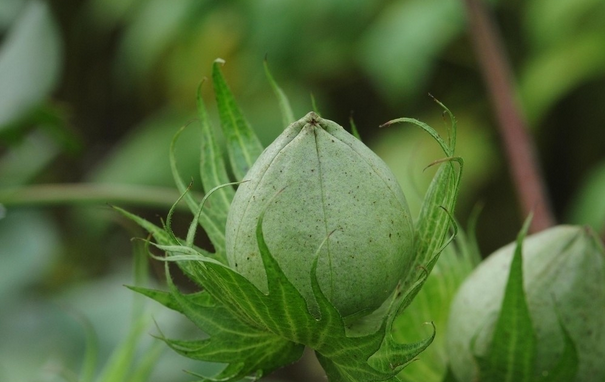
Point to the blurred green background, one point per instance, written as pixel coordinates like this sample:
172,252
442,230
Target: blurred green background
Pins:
91,92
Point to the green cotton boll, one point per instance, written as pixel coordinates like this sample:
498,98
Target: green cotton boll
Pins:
564,273
316,183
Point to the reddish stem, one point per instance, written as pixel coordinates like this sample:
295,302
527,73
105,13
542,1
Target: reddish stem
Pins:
518,143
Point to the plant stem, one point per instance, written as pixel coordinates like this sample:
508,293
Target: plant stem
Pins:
81,194
518,143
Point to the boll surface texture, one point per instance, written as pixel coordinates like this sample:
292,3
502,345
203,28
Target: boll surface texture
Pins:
316,182
563,271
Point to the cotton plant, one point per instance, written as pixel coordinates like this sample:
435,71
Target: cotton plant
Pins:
314,246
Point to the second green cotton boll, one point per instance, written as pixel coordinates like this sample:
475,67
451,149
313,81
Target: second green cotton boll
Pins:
316,181
564,272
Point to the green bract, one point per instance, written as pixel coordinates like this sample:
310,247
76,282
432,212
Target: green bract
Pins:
316,182
564,274
319,249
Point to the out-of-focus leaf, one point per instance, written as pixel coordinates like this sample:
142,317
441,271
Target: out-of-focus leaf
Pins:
59,341
284,103
588,206
566,38
151,30
26,160
91,353
309,50
28,245
30,62
403,44
552,74
107,13
123,357
147,364
142,156
548,22
28,242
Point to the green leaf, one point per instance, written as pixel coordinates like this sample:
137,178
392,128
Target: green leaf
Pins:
29,241
435,219
30,62
123,364
552,23
284,105
513,348
211,219
164,298
27,159
396,356
150,29
132,162
160,235
554,73
143,369
140,275
165,238
231,341
247,349
243,145
91,353
122,359
212,165
385,50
